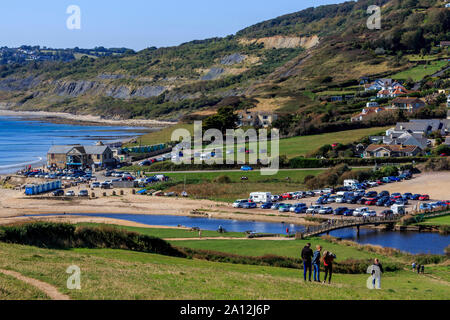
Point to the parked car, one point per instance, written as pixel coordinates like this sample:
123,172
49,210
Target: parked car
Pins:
371,194
239,203
296,205
276,206
371,201
326,210
415,196
300,209
396,195
387,212
286,196
340,211
322,200
389,203
246,168
407,195
83,193
284,208
313,209
424,197
95,185
266,205
384,193
381,201
58,193
248,205
70,193
349,212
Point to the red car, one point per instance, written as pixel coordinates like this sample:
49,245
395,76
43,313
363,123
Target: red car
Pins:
379,182
371,201
287,196
424,197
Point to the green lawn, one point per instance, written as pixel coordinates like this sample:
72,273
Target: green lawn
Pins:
288,248
419,72
439,221
162,136
119,274
172,233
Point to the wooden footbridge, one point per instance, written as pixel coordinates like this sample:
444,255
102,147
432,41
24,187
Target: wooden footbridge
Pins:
331,225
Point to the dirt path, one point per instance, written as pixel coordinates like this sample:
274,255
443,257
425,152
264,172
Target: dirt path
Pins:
228,238
48,289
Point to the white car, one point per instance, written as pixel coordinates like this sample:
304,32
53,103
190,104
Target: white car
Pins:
370,213
360,211
340,200
70,193
326,210
313,209
239,203
95,185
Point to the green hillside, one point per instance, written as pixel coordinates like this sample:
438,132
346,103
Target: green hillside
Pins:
297,59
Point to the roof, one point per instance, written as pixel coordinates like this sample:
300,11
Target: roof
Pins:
95,149
407,100
61,149
447,141
412,126
392,148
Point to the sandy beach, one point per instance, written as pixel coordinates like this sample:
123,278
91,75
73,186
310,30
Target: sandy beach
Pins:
84,119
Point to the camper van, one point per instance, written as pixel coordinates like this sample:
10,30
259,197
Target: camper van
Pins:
351,183
398,208
260,197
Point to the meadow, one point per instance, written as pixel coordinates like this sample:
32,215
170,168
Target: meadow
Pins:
418,72
120,274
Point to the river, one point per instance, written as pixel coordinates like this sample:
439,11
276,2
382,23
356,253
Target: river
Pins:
412,242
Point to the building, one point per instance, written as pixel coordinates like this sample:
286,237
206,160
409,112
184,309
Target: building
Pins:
367,111
447,141
256,118
79,157
407,104
383,150
407,139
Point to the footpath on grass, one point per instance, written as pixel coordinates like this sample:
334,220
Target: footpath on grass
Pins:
48,289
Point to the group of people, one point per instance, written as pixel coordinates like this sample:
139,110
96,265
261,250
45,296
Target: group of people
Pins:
312,260
420,268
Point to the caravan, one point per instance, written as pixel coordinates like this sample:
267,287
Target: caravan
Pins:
260,197
351,183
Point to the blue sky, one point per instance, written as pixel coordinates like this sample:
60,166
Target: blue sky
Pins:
135,24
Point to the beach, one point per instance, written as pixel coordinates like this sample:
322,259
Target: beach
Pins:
68,118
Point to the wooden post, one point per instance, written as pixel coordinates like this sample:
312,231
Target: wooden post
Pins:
357,231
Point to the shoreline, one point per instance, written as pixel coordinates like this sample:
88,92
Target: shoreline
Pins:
87,120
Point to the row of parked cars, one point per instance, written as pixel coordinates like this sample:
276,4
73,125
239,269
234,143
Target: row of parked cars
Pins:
314,209
70,193
66,174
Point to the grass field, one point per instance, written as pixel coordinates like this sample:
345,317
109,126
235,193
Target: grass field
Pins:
13,289
119,274
172,233
291,147
277,247
419,72
202,184
439,221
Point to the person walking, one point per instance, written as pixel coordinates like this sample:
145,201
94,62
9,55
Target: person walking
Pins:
328,258
414,267
377,270
316,263
422,269
418,268
307,255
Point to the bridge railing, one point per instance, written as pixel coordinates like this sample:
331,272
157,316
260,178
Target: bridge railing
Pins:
338,224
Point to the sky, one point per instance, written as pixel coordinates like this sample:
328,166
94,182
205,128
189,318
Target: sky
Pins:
135,24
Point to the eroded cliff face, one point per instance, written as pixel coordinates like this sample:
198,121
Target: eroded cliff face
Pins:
279,42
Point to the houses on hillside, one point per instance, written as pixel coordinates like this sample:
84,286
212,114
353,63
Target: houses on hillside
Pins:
379,151
407,104
407,138
367,111
256,118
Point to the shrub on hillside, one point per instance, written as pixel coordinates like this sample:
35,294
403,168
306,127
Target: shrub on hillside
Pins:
222,179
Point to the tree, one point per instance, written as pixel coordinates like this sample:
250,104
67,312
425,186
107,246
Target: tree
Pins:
224,119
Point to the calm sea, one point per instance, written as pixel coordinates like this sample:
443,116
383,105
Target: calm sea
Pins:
25,142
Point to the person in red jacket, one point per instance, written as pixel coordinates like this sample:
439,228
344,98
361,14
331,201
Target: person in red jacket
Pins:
328,258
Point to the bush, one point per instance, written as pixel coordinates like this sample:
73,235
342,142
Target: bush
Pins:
222,179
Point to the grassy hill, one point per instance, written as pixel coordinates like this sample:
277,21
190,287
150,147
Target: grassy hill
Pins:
289,62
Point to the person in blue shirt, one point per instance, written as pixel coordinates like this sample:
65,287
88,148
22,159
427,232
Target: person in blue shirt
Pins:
316,263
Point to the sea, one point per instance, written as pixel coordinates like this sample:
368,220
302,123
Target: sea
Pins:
25,141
